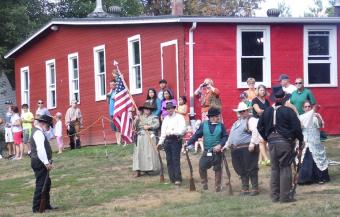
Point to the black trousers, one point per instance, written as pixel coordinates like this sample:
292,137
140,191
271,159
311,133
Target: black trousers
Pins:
74,136
172,147
40,173
206,162
245,164
281,157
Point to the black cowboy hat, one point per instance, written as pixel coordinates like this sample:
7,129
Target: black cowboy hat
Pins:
169,105
147,105
46,119
213,112
278,93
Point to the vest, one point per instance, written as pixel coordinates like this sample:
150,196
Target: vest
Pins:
34,153
211,139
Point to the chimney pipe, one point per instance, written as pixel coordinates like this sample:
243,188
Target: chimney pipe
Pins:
98,11
337,8
177,7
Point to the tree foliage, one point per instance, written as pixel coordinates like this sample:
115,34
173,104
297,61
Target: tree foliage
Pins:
316,11
285,10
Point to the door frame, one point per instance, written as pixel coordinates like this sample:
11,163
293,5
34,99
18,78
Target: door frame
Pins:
165,44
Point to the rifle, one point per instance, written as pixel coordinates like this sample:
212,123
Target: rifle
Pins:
292,192
192,186
42,206
228,183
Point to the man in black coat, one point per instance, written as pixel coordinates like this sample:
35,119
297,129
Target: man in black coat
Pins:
280,126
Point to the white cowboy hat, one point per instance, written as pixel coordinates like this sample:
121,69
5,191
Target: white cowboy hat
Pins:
241,107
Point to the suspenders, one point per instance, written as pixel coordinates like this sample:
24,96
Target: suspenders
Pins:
274,116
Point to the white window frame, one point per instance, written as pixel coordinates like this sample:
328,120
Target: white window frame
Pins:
70,57
266,53
132,78
96,50
332,51
22,71
48,88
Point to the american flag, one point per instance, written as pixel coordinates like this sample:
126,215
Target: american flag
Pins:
121,115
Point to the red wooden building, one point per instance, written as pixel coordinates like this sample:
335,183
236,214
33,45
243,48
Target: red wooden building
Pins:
72,58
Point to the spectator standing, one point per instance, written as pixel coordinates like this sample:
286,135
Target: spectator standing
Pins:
17,133
27,120
58,132
73,122
167,97
163,85
153,99
41,110
260,103
287,87
300,95
251,92
172,130
208,96
111,100
183,108
8,130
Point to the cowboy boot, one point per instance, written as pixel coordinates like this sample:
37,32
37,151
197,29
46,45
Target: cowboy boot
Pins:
204,179
245,185
218,178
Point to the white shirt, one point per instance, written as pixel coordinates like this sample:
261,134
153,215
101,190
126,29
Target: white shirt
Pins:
58,129
39,139
172,125
15,128
290,89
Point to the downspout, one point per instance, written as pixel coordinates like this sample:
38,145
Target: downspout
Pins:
191,72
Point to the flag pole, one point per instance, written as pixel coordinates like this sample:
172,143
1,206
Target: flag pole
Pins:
115,63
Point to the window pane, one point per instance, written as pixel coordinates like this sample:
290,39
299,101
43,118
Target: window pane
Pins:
53,98
102,84
318,44
252,67
75,84
101,61
75,63
252,43
138,77
319,73
25,80
75,96
136,52
52,78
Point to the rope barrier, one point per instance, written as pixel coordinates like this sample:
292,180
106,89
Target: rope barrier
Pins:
82,130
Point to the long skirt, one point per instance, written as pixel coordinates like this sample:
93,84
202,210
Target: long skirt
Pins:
145,157
310,173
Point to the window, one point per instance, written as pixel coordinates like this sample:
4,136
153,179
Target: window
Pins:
253,55
51,84
100,72
73,74
135,64
25,85
320,56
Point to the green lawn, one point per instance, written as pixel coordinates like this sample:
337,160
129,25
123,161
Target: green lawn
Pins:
86,183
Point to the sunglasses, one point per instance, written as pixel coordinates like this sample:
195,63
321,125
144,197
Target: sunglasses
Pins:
307,106
242,111
298,82
40,103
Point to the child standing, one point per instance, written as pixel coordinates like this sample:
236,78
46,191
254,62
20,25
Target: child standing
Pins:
27,119
58,132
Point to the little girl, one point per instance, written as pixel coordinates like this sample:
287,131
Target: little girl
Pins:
187,137
58,131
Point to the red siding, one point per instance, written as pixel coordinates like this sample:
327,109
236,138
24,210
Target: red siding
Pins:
57,45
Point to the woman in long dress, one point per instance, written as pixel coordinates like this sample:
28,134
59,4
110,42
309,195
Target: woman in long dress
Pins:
314,167
145,158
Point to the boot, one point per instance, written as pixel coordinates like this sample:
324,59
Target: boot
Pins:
245,185
204,179
254,185
218,178
78,145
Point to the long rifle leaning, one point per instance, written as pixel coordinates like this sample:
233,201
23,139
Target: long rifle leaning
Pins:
297,171
161,172
228,183
42,206
192,186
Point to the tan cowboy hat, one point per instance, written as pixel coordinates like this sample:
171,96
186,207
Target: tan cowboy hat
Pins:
241,107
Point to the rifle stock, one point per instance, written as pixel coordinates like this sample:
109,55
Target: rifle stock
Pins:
296,175
192,186
42,206
228,183
161,173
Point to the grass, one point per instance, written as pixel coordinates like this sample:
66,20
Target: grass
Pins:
87,183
